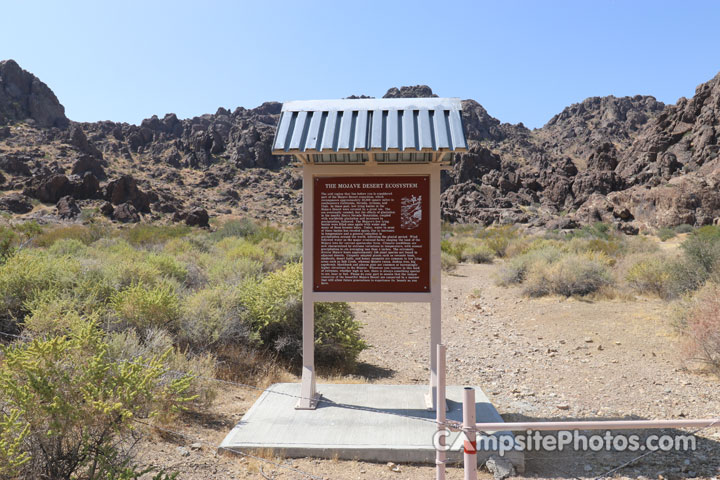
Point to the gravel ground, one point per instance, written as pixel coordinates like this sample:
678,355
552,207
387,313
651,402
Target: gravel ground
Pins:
536,359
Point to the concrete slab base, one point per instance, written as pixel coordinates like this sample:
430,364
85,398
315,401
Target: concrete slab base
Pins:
364,422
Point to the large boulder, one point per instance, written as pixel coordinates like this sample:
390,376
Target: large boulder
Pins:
23,96
88,163
49,189
125,190
126,213
67,208
198,218
16,164
15,203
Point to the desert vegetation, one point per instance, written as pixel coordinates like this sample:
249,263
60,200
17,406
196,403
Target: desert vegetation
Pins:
121,325
596,261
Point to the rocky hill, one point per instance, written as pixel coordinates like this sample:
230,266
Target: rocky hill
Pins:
631,161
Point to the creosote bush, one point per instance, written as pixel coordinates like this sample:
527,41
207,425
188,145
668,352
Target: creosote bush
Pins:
700,323
571,274
69,407
274,308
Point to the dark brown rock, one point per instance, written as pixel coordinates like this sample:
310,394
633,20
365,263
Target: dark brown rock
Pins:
49,189
88,163
15,203
125,190
126,213
67,208
23,96
197,218
107,209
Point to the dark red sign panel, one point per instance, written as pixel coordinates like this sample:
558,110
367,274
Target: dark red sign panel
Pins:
372,234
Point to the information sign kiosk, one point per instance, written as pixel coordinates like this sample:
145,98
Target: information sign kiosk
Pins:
371,205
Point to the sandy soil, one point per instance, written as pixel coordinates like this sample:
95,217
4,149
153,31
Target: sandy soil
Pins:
549,358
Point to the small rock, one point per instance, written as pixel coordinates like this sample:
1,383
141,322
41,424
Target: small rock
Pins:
563,406
196,446
500,468
182,451
588,340
393,467
588,468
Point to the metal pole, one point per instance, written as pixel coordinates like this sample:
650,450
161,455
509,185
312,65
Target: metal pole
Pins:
470,444
440,455
596,425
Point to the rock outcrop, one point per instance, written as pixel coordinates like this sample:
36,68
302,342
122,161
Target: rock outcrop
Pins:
630,161
24,97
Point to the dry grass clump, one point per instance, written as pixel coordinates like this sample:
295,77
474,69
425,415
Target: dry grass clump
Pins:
700,324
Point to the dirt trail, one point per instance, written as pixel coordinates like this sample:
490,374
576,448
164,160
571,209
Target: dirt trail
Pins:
548,358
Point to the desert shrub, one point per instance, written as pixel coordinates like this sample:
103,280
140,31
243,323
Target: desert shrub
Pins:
453,247
213,316
702,247
231,272
8,239
700,262
243,227
168,266
650,274
233,248
13,434
149,234
52,313
67,246
76,406
143,307
82,233
701,325
684,228
596,230
572,274
126,346
479,253
666,233
515,270
610,246
448,262
274,308
28,272
498,238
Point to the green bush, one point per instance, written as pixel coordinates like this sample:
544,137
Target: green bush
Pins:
700,323
144,307
499,238
82,233
274,308
71,409
448,262
149,234
28,272
214,316
244,227
478,254
651,274
572,274
515,270
702,247
126,346
67,246
666,233
8,240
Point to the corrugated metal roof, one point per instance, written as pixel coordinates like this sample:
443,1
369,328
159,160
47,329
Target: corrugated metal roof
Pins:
370,125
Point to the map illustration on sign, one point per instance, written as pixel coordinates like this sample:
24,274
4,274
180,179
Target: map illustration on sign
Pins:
410,212
371,234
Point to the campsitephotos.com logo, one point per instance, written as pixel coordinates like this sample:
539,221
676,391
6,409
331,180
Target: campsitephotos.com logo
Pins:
531,440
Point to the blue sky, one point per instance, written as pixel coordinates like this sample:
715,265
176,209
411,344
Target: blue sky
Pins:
524,61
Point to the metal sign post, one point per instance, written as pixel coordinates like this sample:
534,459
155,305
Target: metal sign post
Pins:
371,206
